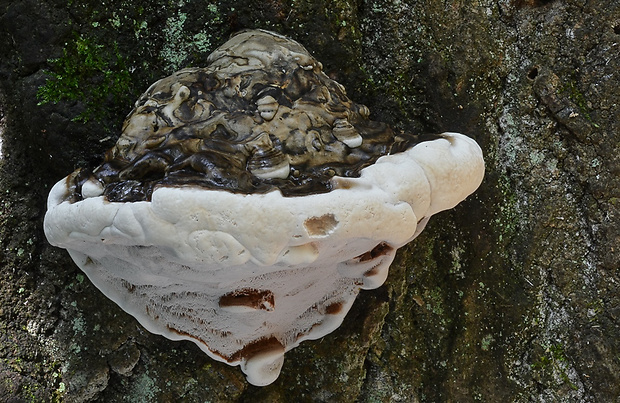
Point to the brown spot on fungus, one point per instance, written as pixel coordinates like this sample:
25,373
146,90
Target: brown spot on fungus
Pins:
248,298
380,250
320,226
257,347
335,308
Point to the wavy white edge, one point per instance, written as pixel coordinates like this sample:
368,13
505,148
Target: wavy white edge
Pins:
255,239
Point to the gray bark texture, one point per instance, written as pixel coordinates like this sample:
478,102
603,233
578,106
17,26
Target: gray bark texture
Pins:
513,296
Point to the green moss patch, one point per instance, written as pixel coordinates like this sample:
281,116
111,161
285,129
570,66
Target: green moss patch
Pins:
89,73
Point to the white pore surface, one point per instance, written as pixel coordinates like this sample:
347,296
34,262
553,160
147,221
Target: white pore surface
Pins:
167,262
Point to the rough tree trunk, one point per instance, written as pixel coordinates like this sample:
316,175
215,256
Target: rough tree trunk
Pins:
512,296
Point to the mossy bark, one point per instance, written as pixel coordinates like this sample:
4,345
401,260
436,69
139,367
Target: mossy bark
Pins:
512,296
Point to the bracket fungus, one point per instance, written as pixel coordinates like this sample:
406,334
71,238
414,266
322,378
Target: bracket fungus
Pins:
246,203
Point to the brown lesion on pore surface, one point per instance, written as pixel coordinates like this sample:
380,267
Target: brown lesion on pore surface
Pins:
381,249
260,346
249,298
335,308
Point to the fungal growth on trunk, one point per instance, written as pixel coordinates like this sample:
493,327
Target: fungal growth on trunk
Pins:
246,203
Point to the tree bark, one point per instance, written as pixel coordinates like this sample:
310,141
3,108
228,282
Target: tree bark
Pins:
512,296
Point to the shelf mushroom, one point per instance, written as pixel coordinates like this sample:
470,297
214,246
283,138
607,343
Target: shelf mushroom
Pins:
246,203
